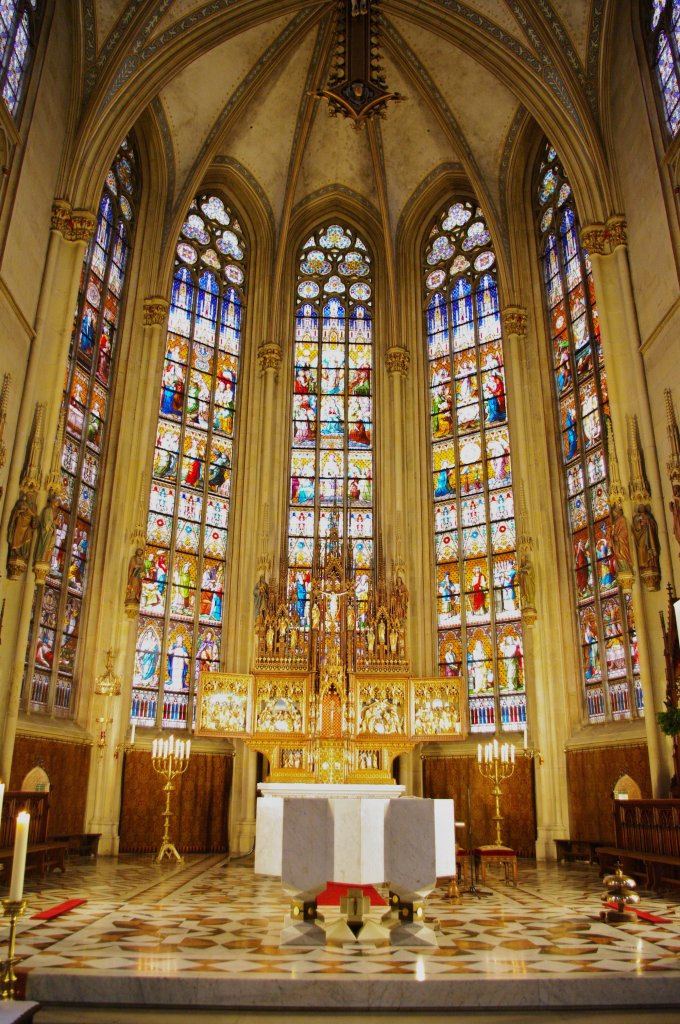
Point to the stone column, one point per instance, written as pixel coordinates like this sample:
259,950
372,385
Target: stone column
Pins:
269,361
547,711
244,793
70,232
397,362
628,396
112,625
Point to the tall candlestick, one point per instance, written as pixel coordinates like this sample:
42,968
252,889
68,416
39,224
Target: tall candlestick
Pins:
16,887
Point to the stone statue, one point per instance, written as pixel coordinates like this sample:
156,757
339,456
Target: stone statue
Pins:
381,631
394,636
270,637
23,522
646,536
135,577
44,544
400,598
527,582
261,595
621,540
370,635
674,506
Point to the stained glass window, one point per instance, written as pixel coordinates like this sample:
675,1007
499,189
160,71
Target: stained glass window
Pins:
181,611
606,629
479,628
664,25
18,29
58,604
331,467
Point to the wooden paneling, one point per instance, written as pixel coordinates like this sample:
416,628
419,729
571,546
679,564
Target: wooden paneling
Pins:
200,805
67,766
451,777
591,777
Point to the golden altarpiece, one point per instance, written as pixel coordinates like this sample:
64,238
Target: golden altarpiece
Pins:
331,700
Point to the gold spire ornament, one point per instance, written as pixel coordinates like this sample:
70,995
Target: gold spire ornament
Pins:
619,524
526,579
357,88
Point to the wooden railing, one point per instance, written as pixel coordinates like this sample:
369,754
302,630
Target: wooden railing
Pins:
37,805
651,826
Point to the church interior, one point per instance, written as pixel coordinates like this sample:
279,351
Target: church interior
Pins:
339,447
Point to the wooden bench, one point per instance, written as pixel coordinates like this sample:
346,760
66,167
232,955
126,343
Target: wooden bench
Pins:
577,849
43,854
647,866
80,844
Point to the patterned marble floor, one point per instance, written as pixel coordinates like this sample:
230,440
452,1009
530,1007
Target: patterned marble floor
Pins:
205,934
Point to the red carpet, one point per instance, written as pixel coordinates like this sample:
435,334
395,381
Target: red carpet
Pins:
330,897
642,914
61,908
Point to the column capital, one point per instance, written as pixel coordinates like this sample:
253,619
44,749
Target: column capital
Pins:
73,225
602,239
155,311
514,320
269,356
398,360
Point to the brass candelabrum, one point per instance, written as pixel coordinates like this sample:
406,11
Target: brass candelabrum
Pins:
8,979
169,758
496,762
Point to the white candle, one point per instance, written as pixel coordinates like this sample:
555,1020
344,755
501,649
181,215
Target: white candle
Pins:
154,748
479,752
512,753
495,749
172,744
188,748
132,734
180,750
525,737
166,748
16,886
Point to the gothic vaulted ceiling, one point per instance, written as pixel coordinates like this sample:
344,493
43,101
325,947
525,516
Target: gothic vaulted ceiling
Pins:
231,82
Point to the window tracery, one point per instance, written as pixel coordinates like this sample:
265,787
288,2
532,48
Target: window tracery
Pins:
605,621
478,612
19,22
181,610
58,605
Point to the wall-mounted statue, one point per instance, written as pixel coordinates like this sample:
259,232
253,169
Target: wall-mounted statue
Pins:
646,536
23,522
135,578
621,549
44,544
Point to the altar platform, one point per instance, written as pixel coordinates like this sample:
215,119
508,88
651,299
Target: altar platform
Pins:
203,935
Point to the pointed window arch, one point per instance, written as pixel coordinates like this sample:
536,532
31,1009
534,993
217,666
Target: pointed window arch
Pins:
664,35
181,612
57,613
331,468
19,24
604,616
478,615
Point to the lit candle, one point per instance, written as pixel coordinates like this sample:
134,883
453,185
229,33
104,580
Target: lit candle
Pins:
165,748
479,752
16,887
180,750
188,749
512,753
154,748
172,744
525,737
132,734
495,749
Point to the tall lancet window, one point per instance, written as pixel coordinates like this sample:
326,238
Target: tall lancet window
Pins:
331,467
478,614
181,610
664,34
605,618
19,23
57,613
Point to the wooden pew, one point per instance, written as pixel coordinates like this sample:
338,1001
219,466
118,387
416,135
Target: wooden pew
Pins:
647,841
43,854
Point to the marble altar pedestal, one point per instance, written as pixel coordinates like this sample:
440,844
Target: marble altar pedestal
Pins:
360,835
